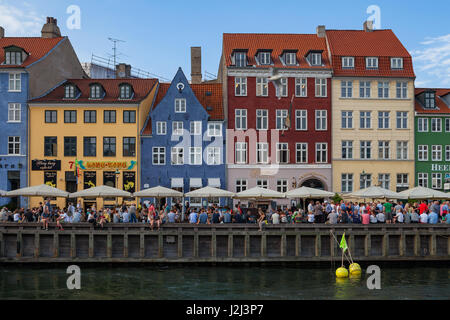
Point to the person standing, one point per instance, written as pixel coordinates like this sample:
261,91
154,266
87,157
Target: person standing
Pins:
387,209
261,219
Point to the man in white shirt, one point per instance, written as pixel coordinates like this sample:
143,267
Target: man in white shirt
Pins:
399,217
423,218
275,218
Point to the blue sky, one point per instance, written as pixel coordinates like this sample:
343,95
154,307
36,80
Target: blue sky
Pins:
159,34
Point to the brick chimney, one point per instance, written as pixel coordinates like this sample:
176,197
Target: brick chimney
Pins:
2,32
196,65
123,70
51,29
320,31
368,26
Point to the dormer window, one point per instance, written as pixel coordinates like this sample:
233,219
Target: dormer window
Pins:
96,91
240,59
14,55
348,62
264,58
371,63
125,91
315,58
69,91
290,58
430,100
396,63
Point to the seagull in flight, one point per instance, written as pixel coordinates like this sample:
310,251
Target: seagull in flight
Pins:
275,78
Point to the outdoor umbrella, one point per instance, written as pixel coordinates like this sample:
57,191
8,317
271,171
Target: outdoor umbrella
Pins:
420,193
259,193
38,191
101,192
376,193
209,192
158,192
308,193
2,193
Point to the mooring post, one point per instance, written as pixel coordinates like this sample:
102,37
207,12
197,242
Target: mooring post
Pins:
109,245
298,245
283,244
180,243
433,250
402,244
417,244
55,245
125,245
91,245
230,245
19,252
73,246
367,245
213,243
332,246
36,245
196,241
142,244
263,245
247,245
318,245
385,245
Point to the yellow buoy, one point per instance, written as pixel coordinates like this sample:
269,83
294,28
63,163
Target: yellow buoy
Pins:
342,273
355,269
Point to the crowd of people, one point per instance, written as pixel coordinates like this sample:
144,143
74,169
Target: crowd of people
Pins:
425,212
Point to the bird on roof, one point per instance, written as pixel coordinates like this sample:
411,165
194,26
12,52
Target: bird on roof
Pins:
275,78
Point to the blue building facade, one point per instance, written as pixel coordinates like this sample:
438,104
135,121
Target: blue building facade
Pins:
183,144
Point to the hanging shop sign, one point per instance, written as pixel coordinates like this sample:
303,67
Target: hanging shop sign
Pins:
90,179
50,178
129,181
45,165
102,165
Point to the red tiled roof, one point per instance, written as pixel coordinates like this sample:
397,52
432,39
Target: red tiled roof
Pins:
442,107
141,89
360,44
302,43
35,47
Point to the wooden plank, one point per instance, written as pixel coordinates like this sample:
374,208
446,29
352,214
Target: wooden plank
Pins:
125,245
36,245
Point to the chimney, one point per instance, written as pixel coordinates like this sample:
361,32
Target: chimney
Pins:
320,31
123,70
2,32
196,65
51,29
368,26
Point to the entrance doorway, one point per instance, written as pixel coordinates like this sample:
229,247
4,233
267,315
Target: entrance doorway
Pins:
14,184
71,187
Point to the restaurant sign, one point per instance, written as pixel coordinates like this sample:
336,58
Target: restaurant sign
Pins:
45,165
103,165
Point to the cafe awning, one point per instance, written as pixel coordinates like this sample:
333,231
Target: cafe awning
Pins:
195,183
38,191
214,182
177,183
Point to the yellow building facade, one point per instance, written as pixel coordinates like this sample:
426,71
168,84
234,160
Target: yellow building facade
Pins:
78,143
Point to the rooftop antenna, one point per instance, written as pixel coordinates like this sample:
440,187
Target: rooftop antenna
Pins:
115,48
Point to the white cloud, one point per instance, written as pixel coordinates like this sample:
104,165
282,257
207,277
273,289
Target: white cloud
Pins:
18,22
432,61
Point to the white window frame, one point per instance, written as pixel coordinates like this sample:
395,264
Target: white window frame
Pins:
301,116
371,62
321,120
436,152
14,112
447,153
383,89
366,149
262,183
422,179
422,152
346,89
402,90
282,147
436,124
264,58
365,120
240,87
301,87
315,59
382,117
365,89
447,124
348,62
241,185
195,156
346,119
240,59
436,181
402,150
347,149
196,128
262,87
302,148
175,158
262,119
213,157
396,63
241,152
177,128
262,152
422,125
282,185
290,58
158,151
402,119
15,141
281,115
347,182
214,129
384,179
384,150
15,82
321,87
321,152
161,128
283,87
180,105
240,119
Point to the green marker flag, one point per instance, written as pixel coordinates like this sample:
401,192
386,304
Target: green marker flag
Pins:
343,246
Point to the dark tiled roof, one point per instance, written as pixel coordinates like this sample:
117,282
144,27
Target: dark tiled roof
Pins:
442,107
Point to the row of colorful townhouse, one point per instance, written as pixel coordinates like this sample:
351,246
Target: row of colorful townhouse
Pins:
335,110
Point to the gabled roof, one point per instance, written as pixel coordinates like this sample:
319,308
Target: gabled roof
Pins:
361,44
36,48
141,89
441,106
278,43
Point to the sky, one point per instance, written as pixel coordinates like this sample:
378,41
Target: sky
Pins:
158,34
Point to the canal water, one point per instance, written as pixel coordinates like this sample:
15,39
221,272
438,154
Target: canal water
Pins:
218,283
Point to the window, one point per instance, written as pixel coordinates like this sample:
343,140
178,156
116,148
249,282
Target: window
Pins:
241,185
241,152
321,87
240,59
281,119
301,87
365,181
109,146
383,150
51,116
346,89
436,153
402,120
301,150
366,149
195,156
347,119
262,183
447,124
262,120
262,152
241,119
436,181
402,150
365,119
348,62
321,120
282,185
290,58
447,153
90,116
347,182
14,112
196,128
109,116
13,57
384,179
125,91
364,89
177,156
396,63
430,100
301,120
69,91
213,156
383,89
371,63
282,153
90,146
161,128
422,152
402,182
422,124
70,146
283,87
129,116
177,128
402,90
240,86
180,105
96,91
383,120
15,82
159,156
321,152
315,59
422,179
50,146
264,58
262,87
347,149
436,125
129,147
13,145
214,129
70,116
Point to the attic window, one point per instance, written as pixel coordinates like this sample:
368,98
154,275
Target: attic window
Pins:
290,58
315,59
430,100
96,91
264,58
13,57
125,91
240,59
69,91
